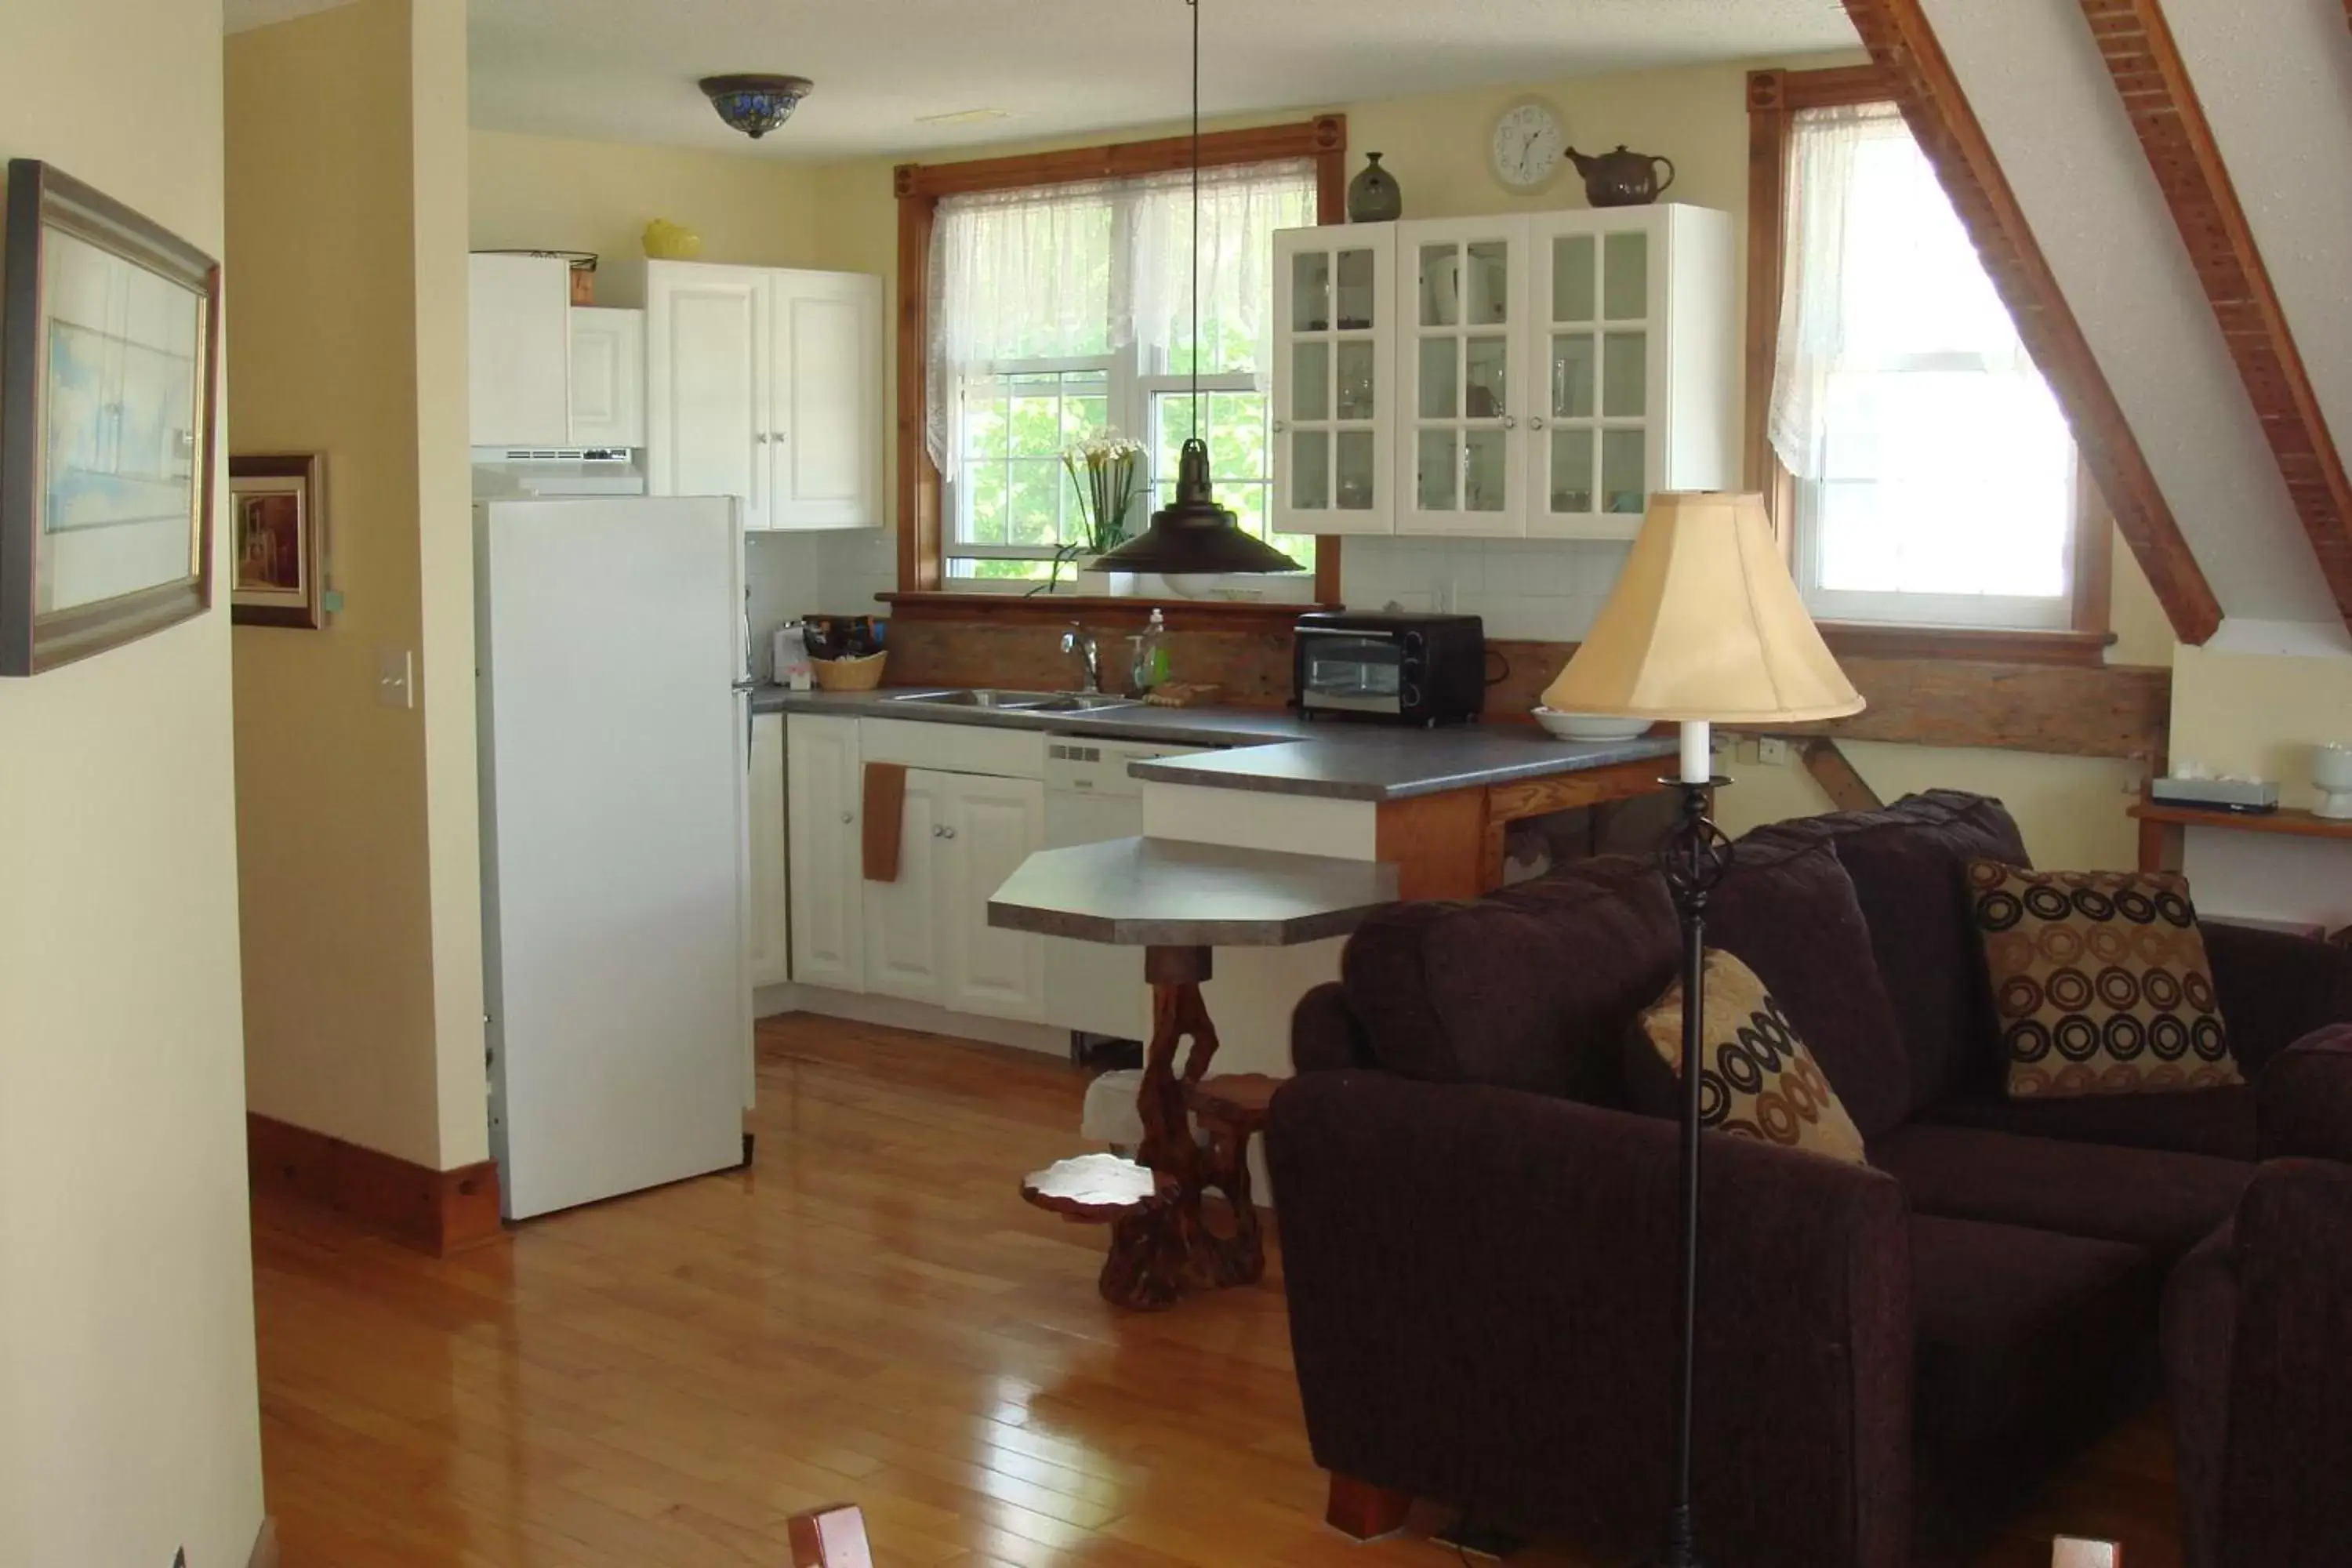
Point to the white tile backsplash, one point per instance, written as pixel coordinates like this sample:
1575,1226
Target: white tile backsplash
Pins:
1536,590
792,574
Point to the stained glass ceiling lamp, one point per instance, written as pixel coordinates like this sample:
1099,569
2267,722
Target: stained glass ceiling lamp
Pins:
1193,534
756,105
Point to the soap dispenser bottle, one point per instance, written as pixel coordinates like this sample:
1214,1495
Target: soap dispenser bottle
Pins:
1150,666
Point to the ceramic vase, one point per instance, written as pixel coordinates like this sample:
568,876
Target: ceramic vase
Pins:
1372,195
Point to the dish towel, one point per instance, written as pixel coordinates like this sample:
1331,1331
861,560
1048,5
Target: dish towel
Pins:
884,804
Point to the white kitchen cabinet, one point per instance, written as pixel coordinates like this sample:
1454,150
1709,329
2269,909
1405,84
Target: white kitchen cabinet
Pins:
1462,373
765,384
768,923
1334,416
608,377
903,928
518,350
823,792
988,827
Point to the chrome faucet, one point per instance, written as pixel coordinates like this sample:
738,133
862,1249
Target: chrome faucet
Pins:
1080,641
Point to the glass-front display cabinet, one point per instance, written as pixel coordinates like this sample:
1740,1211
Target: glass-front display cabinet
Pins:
1334,300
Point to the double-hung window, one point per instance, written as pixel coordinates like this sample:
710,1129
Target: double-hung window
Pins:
1932,473
1063,312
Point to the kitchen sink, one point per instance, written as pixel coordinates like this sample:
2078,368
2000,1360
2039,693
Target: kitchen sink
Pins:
1021,702
1083,702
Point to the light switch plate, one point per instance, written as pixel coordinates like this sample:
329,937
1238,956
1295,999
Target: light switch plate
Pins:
395,684
2073,1552
1771,750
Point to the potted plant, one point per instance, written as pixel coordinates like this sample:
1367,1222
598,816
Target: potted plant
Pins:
1103,471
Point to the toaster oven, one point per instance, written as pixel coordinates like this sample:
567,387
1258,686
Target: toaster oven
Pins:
1397,668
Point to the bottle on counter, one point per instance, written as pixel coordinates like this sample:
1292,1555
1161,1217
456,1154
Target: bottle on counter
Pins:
1150,666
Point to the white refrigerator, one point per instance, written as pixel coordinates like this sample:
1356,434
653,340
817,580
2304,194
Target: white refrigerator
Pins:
610,680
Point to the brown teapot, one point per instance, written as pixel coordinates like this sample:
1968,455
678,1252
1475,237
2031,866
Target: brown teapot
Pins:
1621,179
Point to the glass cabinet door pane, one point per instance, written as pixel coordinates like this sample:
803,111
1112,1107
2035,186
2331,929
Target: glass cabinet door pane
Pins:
1441,285
1357,398
1571,471
1310,380
1356,470
1310,470
1574,277
1482,471
1439,455
1626,277
1441,399
1310,291
1622,478
1486,283
1626,375
1355,297
1487,391
1572,376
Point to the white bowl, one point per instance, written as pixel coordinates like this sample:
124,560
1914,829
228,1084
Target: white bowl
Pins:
1591,726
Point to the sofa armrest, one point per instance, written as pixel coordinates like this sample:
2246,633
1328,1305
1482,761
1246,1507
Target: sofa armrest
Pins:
2303,1101
2275,988
1324,1033
1483,1289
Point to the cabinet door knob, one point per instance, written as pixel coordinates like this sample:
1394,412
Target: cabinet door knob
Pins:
762,437
781,435
1278,427
937,831
1510,421
848,817
947,833
1536,422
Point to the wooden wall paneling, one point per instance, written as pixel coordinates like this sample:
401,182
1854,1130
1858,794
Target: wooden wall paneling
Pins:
2136,43
1902,45
1438,843
1835,773
440,1212
2073,710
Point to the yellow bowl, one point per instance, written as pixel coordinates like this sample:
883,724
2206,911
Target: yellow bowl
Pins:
668,241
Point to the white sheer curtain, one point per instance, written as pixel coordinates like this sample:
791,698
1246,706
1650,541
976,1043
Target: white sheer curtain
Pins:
1082,272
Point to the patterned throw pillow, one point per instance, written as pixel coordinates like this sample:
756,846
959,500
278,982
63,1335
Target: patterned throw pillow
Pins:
2100,982
1757,1079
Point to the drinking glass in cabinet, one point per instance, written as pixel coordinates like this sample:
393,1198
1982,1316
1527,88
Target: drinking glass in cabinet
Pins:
1310,291
1439,460
1624,374
1626,277
1355,296
1574,280
1310,470
1356,468
1622,477
1441,286
1440,396
1356,393
1483,471
1486,394
1571,471
1310,380
1572,377
1489,283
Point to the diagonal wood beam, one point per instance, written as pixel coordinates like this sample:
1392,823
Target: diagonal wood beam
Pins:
1900,41
2136,43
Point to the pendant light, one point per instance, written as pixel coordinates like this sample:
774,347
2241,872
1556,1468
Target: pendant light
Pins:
1193,534
755,105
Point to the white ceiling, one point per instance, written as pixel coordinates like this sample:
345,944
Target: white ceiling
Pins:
624,70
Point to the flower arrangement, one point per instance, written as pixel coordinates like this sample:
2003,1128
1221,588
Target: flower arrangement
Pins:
1102,470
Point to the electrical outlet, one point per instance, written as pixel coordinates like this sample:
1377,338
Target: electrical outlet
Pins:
1771,750
395,684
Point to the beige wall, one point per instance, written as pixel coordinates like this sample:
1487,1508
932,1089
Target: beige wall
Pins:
2259,716
128,1423
358,860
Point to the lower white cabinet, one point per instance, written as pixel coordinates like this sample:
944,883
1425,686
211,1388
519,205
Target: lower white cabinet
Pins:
987,827
767,929
902,918
823,791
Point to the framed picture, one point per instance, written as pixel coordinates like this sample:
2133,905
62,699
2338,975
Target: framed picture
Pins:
108,330
278,531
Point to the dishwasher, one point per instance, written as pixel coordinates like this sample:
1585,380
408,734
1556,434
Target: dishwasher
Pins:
1092,988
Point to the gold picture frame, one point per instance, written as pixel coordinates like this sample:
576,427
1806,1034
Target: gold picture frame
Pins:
278,538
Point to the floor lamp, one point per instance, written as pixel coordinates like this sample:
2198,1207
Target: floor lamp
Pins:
1705,627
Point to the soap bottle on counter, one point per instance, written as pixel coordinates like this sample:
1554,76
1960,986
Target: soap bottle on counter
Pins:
1150,666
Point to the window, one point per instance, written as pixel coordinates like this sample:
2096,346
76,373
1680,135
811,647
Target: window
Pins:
1061,312
1931,473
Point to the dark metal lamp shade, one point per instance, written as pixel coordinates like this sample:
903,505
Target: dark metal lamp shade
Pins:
756,105
1194,534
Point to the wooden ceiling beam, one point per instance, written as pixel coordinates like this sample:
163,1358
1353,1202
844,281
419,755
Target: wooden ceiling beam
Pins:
2136,43
1902,44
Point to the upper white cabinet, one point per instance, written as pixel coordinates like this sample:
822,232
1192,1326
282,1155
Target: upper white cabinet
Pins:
608,377
765,384
1527,376
519,350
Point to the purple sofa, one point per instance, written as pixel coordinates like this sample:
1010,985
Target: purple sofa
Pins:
1480,1247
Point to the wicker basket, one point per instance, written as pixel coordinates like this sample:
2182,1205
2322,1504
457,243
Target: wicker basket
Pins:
850,674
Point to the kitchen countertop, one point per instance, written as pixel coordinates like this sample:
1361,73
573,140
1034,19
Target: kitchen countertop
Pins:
1275,753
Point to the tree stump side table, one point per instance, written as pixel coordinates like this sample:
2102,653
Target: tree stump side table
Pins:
1177,901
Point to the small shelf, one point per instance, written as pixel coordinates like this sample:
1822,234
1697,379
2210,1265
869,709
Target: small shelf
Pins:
2286,820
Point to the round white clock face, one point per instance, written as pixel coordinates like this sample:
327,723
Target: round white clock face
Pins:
1528,145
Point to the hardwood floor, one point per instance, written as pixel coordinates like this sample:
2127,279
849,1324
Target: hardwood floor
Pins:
872,1315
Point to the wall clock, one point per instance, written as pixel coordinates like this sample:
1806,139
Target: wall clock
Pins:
1527,144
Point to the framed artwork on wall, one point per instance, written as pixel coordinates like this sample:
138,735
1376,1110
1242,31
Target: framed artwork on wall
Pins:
109,333
277,532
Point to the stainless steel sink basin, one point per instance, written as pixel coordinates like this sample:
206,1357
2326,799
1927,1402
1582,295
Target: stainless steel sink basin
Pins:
1021,702
1083,702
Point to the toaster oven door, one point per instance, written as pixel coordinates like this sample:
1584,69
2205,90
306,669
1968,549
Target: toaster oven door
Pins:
1349,672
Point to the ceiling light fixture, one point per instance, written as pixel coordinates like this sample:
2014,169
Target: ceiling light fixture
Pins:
756,105
1193,535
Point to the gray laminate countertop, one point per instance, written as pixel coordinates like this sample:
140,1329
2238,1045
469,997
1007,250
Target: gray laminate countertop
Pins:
1277,753
1157,892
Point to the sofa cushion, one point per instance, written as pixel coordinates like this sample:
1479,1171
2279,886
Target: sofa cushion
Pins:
2100,982
2199,1330
2162,1202
1757,1080
2013,1322
1530,988
2220,1121
1788,909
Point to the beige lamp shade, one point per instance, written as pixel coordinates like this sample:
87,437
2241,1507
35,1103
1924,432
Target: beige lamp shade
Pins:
1705,624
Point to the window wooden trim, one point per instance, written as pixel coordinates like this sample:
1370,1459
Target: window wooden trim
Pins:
1775,98
922,569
